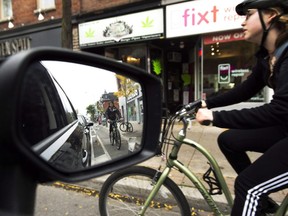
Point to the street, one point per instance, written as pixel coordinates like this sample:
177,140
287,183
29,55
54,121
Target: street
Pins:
64,199
53,201
102,150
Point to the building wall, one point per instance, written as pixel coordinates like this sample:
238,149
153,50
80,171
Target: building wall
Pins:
27,14
88,5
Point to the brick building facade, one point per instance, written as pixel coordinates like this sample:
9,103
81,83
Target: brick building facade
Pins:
38,24
25,13
33,23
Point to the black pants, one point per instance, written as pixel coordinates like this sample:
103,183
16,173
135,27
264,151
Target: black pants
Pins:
269,173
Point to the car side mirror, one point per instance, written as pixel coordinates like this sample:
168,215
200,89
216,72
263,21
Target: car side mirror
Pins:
54,109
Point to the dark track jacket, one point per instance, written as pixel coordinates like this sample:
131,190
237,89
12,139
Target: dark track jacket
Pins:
271,114
112,113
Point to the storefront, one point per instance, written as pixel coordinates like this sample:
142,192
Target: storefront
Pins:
14,41
197,48
127,38
220,58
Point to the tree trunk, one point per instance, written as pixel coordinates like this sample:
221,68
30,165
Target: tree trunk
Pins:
66,36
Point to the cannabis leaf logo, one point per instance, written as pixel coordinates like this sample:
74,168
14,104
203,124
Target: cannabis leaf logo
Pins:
147,23
157,67
186,78
90,33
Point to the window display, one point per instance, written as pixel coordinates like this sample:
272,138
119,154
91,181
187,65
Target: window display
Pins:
226,65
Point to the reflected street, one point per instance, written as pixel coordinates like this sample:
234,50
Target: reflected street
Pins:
102,150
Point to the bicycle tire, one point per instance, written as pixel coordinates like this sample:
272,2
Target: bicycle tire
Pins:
117,139
125,190
123,127
111,136
129,127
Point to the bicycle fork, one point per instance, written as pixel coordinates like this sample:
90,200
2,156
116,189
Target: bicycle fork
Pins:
158,183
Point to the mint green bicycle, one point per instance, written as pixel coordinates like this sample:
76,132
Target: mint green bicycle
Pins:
141,190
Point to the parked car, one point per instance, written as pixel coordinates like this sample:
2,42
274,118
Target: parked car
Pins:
40,139
46,109
87,148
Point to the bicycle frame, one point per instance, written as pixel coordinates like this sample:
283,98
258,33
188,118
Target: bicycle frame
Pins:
114,125
172,161
114,128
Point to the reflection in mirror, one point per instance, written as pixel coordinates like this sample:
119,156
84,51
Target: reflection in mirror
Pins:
77,116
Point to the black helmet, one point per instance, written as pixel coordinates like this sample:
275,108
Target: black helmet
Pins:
242,8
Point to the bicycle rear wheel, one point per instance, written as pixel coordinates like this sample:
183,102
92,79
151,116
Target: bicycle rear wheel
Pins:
125,192
117,139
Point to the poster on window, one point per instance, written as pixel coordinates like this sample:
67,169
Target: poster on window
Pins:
224,73
176,95
185,97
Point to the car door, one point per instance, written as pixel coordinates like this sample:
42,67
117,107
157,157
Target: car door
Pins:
53,130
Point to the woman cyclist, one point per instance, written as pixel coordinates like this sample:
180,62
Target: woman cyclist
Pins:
112,114
262,129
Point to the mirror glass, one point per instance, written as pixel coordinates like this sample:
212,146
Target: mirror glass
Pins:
76,116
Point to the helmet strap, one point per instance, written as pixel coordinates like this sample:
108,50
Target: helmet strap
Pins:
265,30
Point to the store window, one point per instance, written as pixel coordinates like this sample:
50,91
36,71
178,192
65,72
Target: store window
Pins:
6,9
45,4
133,54
226,65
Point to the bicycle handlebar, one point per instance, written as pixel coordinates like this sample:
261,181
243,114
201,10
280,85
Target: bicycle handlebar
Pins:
189,107
192,107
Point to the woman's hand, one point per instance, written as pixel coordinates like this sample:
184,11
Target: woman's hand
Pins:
204,116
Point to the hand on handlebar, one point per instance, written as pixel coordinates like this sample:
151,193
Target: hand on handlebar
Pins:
204,116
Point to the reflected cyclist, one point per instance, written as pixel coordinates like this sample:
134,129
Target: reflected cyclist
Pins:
112,114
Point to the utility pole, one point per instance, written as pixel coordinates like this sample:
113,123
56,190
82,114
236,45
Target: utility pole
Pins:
66,35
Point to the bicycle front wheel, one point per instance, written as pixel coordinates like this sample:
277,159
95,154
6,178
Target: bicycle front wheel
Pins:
111,137
117,139
125,192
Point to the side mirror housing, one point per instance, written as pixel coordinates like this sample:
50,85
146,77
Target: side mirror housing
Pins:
38,115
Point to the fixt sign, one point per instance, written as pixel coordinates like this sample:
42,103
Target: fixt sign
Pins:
202,16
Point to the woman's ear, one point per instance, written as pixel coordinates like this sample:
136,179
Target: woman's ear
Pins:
271,15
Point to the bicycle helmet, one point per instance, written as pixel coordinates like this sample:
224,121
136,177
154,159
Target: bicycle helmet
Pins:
242,8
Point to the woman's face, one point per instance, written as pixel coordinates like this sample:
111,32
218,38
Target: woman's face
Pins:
252,27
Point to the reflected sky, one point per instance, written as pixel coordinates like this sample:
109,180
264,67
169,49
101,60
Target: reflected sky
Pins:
84,85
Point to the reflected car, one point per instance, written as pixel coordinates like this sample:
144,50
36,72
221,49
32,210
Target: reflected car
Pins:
87,140
50,124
